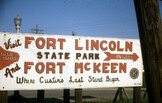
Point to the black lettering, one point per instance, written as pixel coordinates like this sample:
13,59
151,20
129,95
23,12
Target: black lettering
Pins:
40,79
53,56
8,72
97,56
7,44
60,55
19,80
85,56
78,55
91,56
67,55
46,54
39,55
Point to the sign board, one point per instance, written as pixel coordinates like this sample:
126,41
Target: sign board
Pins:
31,62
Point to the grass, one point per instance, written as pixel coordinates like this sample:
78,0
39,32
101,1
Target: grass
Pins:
85,101
111,101
94,100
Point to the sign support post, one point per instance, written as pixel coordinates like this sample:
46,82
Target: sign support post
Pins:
78,95
119,94
4,97
66,95
40,96
136,95
148,17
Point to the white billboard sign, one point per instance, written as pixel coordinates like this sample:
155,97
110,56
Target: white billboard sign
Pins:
31,62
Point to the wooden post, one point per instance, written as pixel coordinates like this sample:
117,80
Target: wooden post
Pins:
148,17
136,95
3,97
116,96
126,94
120,95
40,96
66,95
16,96
78,95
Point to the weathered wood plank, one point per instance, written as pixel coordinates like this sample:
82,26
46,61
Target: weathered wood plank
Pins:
148,17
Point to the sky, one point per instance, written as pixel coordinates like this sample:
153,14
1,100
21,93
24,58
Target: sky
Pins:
95,18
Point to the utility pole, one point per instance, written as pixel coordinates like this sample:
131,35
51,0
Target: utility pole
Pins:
148,17
40,93
73,33
37,31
